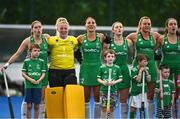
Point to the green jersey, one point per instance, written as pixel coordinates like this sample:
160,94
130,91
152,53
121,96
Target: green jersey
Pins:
91,61
137,86
146,47
43,48
122,61
43,55
34,69
168,90
103,74
171,55
121,52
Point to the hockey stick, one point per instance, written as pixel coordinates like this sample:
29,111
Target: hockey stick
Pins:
161,94
7,92
174,106
108,106
142,113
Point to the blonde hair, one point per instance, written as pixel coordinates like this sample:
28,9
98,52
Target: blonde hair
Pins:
60,20
90,18
32,25
117,22
140,22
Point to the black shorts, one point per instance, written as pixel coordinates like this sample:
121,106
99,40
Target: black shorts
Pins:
61,77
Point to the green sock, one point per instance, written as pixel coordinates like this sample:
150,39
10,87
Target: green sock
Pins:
132,115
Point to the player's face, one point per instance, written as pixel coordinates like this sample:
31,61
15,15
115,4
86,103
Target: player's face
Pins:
146,25
143,63
118,29
109,58
37,29
172,26
165,73
35,52
90,25
63,29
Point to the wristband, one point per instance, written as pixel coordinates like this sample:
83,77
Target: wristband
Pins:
7,64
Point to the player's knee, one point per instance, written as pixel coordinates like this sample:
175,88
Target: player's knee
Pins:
29,106
36,107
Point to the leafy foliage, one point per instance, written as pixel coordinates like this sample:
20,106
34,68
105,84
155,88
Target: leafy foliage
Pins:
76,11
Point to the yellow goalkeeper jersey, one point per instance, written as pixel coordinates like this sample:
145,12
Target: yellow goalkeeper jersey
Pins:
62,52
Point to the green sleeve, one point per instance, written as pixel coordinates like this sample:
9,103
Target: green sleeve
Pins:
43,67
100,73
119,73
134,73
157,84
24,68
172,86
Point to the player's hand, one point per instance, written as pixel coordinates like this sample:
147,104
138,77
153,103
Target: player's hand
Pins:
4,67
105,83
172,103
112,83
34,81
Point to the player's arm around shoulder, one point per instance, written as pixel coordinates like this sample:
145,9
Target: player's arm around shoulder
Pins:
47,36
74,42
52,40
80,39
159,42
105,40
132,37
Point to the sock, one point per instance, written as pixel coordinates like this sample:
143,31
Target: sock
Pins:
42,110
103,115
23,110
97,110
124,110
112,115
132,115
150,109
174,110
87,110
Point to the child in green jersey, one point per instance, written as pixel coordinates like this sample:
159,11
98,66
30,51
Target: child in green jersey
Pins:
36,37
33,71
121,46
166,87
109,74
137,84
144,41
169,43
